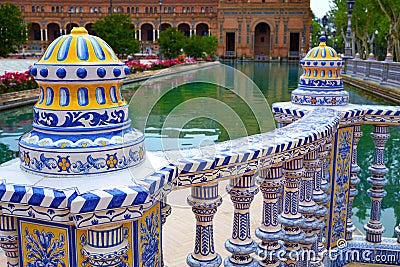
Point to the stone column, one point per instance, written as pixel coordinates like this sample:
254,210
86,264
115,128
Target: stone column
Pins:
154,35
105,246
9,240
140,35
46,35
308,207
41,35
374,227
270,231
354,180
242,191
291,219
204,201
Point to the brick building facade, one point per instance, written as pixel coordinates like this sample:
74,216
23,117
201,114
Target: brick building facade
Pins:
261,29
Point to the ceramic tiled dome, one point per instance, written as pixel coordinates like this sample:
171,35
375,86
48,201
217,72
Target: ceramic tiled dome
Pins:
81,123
321,83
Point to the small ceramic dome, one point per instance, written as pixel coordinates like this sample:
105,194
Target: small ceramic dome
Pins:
321,83
81,123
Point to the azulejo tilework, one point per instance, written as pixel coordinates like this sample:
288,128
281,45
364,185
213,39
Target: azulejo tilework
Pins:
321,84
81,123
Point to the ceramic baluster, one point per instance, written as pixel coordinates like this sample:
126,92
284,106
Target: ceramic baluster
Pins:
9,240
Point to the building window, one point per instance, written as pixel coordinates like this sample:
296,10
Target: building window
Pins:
146,10
211,10
151,10
128,10
76,9
169,10
38,9
202,10
155,10
100,11
91,10
137,10
192,9
165,10
174,9
81,9
53,9
62,9
22,8
188,10
95,10
42,8
33,9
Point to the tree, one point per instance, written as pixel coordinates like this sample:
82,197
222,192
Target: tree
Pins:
12,29
171,42
391,9
194,46
210,44
117,30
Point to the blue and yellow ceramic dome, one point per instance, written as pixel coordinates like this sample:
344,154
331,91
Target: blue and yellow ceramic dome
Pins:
81,123
321,83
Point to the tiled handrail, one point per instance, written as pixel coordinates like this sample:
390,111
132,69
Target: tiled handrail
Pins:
381,71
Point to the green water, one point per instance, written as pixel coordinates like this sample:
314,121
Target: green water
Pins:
276,82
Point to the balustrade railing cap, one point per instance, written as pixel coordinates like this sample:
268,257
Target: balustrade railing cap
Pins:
81,124
321,83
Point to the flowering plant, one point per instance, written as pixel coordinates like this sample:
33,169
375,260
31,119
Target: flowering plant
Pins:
137,66
16,81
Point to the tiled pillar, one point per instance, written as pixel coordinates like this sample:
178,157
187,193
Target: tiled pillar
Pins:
270,231
354,181
374,227
241,245
9,240
204,201
105,246
291,218
307,206
165,212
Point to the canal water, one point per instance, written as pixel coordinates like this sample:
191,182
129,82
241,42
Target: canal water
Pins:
276,82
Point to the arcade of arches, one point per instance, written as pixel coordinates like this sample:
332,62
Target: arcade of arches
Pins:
259,29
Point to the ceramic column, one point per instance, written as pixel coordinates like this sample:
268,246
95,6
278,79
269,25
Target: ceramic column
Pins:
308,207
204,201
354,181
326,158
9,240
242,191
105,246
270,231
291,218
374,227
320,198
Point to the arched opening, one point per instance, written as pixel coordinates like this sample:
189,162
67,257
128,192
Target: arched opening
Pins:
165,26
34,32
202,29
184,28
89,28
70,26
262,40
147,32
53,31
